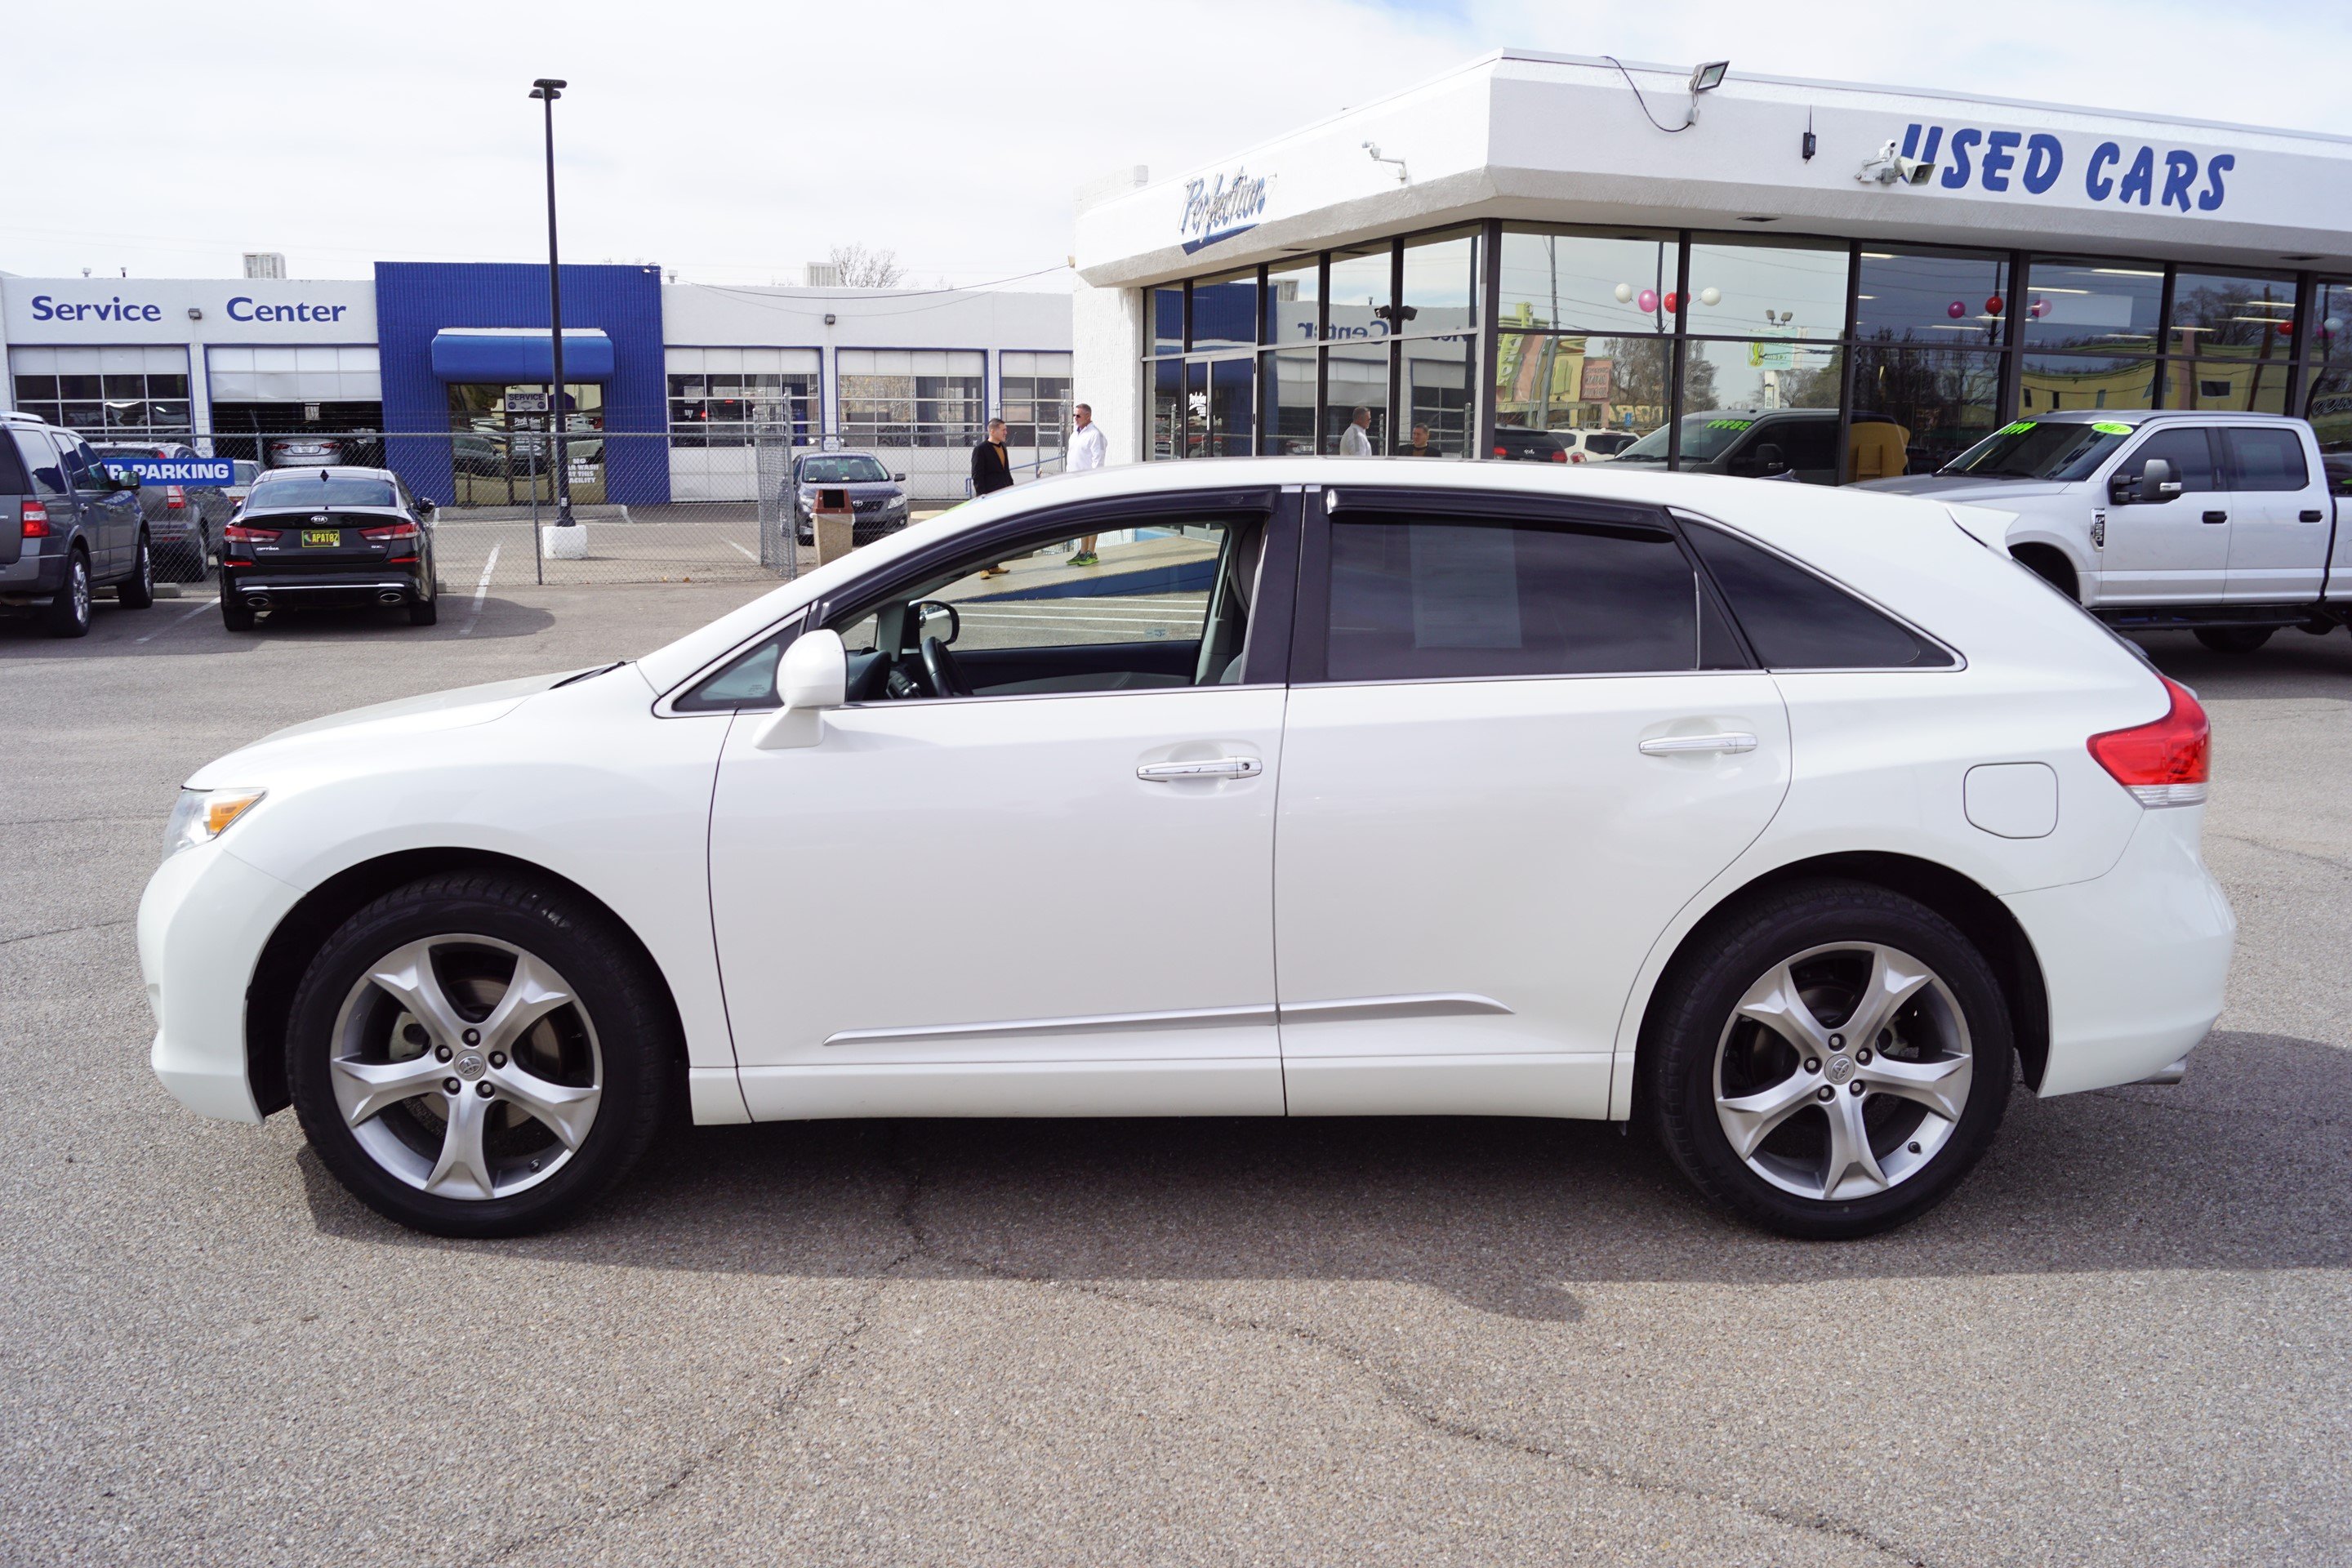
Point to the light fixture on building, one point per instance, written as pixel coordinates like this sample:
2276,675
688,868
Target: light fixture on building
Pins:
195,312
829,318
1709,77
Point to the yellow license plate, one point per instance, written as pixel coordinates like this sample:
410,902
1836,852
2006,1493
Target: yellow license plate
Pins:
330,537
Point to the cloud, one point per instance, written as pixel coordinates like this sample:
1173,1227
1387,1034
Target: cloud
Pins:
733,142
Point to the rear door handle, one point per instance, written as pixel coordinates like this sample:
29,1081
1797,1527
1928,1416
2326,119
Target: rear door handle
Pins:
2312,516
2216,517
1682,745
1214,768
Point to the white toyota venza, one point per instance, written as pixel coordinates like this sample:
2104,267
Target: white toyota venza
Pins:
1798,823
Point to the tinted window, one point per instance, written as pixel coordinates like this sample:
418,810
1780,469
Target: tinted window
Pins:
2188,452
2065,452
1795,620
285,494
83,471
1415,600
41,461
850,471
1803,443
12,471
2266,460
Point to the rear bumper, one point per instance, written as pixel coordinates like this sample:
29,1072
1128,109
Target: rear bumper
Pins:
2134,961
203,922
34,571
360,585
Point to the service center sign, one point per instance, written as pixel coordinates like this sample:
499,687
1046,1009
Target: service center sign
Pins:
176,470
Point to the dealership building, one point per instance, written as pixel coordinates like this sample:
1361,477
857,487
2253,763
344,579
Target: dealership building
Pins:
1538,243
442,364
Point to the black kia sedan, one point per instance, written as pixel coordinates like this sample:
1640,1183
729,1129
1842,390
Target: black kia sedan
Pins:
328,536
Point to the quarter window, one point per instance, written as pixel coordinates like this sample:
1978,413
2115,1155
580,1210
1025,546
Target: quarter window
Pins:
1418,598
2266,459
1795,620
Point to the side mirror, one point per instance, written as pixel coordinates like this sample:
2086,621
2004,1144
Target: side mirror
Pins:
897,479
1770,460
425,507
813,676
935,618
2158,481
123,479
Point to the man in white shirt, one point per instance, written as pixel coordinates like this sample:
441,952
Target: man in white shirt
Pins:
1089,447
1356,440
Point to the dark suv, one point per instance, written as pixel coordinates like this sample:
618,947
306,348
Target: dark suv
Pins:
67,527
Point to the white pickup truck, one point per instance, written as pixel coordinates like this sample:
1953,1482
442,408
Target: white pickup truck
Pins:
2223,524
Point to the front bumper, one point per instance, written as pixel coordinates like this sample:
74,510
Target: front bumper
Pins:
2134,961
203,922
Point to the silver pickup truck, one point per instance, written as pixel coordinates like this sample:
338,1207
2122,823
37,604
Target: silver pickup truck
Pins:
2223,524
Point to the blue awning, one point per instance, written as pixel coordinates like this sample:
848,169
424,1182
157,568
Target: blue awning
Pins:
510,354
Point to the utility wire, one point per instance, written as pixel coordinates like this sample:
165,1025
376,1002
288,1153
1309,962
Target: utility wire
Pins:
1688,120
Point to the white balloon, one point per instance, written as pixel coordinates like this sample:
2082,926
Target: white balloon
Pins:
1624,294
1711,296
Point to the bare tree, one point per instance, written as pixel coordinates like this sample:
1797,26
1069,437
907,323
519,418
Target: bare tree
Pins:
859,267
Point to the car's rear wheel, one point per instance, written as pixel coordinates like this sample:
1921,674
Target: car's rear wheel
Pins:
2234,639
473,1056
1833,1062
68,612
138,590
235,614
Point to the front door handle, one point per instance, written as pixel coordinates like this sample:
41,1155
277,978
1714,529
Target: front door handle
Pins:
2216,517
2312,516
1683,745
1214,768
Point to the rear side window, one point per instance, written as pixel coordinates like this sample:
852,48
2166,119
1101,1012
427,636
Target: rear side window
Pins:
2189,452
41,463
1795,620
2266,459
13,482
1416,599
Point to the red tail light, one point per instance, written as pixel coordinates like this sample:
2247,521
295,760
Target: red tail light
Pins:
2167,763
386,535
175,498
241,539
36,521
1576,457
1558,456
1501,453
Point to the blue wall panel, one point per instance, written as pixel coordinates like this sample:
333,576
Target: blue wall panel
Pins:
414,300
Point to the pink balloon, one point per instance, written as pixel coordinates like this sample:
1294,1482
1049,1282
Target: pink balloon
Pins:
1647,299
1956,310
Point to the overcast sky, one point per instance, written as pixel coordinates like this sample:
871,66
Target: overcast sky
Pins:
733,142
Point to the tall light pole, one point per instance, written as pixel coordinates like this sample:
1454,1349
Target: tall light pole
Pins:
547,90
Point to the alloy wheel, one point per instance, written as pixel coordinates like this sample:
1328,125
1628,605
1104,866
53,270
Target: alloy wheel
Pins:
1843,1071
466,1067
78,585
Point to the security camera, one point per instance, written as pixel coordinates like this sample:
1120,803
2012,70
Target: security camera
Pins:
1892,168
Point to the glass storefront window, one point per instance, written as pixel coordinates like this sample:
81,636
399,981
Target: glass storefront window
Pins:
1229,409
1441,284
2109,307
1786,371
2241,385
1438,416
1547,382
1167,409
1916,409
1290,417
1224,311
1166,308
1610,284
2053,383
1293,296
1933,299
1358,394
2327,381
1359,293
1779,287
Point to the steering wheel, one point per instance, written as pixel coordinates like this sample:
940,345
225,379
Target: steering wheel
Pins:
947,680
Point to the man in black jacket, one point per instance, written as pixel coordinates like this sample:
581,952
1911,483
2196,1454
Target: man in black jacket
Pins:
991,470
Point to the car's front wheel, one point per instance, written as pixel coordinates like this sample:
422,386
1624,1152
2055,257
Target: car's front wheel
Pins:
1831,1062
474,1055
2234,639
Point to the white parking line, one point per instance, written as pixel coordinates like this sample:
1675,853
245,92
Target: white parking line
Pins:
481,590
179,621
747,554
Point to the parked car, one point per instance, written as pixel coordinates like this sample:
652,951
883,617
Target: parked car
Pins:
68,529
2222,525
877,497
1796,823
1799,444
328,536
1517,441
246,471
305,451
183,520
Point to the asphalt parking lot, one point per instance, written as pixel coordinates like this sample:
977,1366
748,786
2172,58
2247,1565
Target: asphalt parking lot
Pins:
2126,1340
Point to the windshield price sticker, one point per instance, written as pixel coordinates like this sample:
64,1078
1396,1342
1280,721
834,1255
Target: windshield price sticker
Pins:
1729,424
2111,427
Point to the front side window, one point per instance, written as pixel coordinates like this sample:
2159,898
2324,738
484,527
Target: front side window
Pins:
2189,452
1419,598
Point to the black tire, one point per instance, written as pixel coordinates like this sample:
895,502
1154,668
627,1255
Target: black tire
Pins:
2234,639
235,614
1693,1020
69,612
621,1005
137,592
424,612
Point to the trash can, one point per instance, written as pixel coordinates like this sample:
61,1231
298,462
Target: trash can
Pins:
834,523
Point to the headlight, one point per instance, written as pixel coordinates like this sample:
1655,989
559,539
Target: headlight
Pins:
201,816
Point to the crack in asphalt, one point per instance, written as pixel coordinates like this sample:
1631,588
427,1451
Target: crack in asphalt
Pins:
2329,861
62,930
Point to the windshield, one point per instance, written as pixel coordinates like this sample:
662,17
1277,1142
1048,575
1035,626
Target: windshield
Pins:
286,494
1706,437
2026,450
853,470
